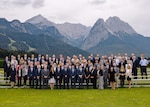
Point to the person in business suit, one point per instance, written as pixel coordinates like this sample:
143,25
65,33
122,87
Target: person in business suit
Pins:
5,63
19,72
66,75
87,76
80,74
8,67
12,75
73,74
100,78
45,75
135,66
31,75
38,76
105,76
58,77
93,76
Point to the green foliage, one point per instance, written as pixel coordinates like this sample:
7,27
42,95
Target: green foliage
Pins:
4,53
75,98
1,63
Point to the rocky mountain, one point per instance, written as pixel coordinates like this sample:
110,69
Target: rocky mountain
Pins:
40,22
74,34
43,36
15,35
113,36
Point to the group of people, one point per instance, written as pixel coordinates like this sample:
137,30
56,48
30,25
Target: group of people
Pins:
72,72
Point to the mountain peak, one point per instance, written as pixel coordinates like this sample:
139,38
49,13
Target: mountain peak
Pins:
117,25
40,20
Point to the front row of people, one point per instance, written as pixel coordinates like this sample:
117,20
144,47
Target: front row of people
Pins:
61,76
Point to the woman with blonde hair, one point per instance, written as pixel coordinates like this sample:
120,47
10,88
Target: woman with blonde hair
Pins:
52,80
122,75
129,73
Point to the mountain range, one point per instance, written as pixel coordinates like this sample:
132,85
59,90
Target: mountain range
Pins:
43,36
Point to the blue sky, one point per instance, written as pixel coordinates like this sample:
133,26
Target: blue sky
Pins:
135,12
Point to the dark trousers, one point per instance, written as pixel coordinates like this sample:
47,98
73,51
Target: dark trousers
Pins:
143,70
93,80
134,71
19,81
73,82
66,81
38,83
31,82
25,80
80,82
105,83
45,82
122,82
58,83
87,82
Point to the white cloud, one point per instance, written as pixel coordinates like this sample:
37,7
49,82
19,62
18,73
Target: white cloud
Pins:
21,2
38,3
135,12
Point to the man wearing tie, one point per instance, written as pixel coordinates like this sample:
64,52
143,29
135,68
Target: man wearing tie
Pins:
66,76
58,76
134,67
80,73
38,76
73,76
31,75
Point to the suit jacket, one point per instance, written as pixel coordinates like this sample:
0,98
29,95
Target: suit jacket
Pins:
73,73
135,64
94,73
66,73
80,72
31,74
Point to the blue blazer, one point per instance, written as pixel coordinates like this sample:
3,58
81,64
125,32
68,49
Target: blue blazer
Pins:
66,72
73,73
31,74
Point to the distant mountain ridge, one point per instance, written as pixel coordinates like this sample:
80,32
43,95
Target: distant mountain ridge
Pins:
15,35
44,36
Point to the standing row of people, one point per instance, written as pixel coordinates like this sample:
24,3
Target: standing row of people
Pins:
68,72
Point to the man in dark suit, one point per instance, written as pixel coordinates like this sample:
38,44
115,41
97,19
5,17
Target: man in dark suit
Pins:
38,76
93,76
5,67
134,67
31,75
66,75
58,76
73,74
80,73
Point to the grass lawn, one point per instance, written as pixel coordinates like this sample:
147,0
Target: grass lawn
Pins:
122,97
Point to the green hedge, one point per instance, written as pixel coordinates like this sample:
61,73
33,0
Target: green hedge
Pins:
1,63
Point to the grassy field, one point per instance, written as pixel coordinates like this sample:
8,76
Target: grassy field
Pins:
123,97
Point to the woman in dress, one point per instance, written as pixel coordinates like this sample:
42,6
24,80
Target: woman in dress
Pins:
112,76
129,73
52,80
122,75
12,75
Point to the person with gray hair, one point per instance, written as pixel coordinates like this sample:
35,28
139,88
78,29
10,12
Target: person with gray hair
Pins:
100,78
